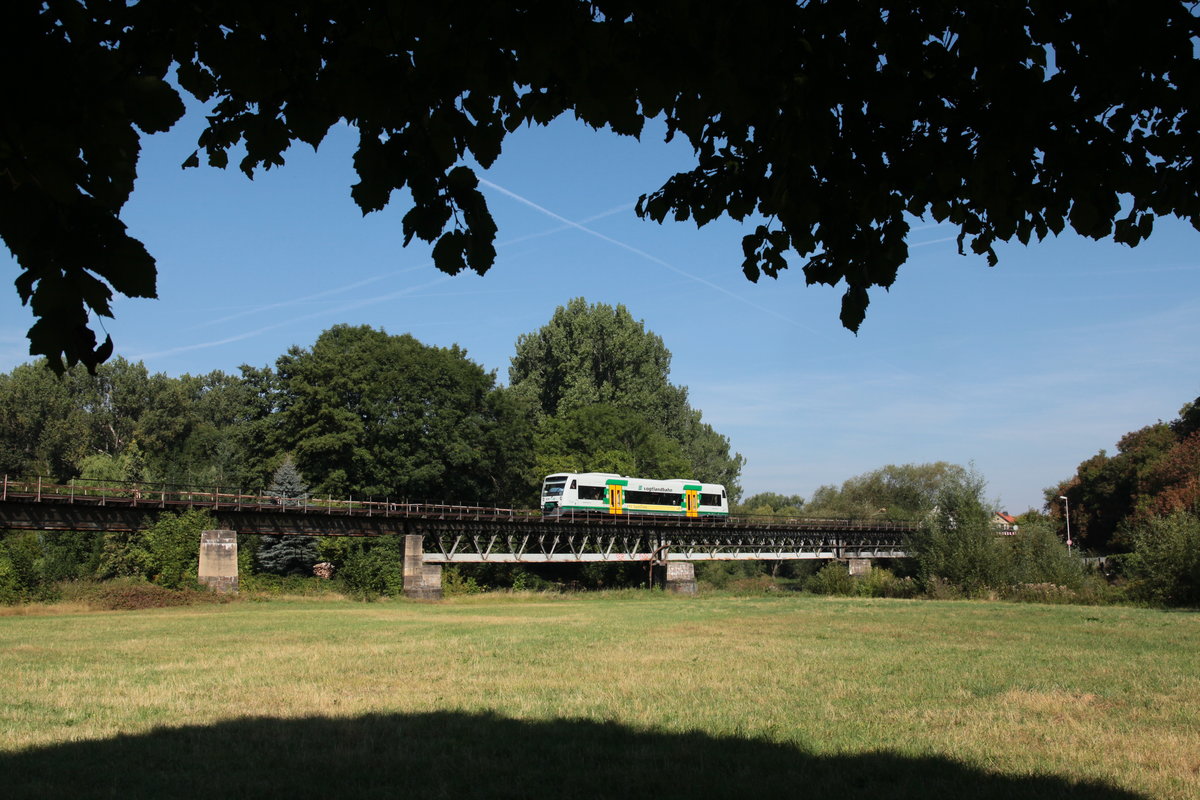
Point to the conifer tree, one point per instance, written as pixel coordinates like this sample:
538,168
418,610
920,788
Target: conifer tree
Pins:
287,554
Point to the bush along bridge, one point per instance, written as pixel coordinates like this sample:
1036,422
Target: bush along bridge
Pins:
438,534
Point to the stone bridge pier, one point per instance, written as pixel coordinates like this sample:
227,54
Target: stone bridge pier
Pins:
680,577
858,566
421,581
218,560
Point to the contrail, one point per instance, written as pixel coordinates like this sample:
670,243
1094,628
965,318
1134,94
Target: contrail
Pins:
636,251
932,241
561,228
292,320
306,298
375,279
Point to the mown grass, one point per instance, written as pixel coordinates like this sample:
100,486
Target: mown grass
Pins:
602,696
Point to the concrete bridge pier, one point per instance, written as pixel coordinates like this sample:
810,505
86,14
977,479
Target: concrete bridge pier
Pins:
858,566
421,581
681,577
218,560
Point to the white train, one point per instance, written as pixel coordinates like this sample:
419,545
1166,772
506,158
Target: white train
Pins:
608,493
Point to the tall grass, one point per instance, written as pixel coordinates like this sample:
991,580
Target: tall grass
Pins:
607,695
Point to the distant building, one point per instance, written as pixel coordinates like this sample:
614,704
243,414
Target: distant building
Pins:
1004,523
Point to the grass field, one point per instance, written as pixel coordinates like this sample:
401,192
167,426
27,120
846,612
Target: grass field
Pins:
608,695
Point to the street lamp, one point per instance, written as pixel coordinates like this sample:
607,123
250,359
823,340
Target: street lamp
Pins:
1067,514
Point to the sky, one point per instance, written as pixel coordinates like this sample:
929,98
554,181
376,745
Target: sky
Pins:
1023,370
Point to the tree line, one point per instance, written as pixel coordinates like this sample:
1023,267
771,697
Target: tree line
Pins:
367,413
1143,504
1137,512
959,549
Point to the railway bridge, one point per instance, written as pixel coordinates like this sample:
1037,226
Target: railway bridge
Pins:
439,534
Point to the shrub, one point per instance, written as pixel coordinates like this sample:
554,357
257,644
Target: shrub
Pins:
21,577
720,574
956,543
833,578
10,588
1164,566
375,570
70,555
131,594
525,581
455,583
880,582
1095,590
936,588
759,584
171,547
1036,556
248,544
122,556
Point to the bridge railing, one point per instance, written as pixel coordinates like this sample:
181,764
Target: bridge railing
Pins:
166,496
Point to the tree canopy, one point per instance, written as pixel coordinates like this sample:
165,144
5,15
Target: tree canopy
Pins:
604,438
363,412
372,413
1155,473
824,124
589,354
599,383
905,491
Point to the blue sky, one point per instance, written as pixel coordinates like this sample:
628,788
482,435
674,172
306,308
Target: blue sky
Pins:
1024,369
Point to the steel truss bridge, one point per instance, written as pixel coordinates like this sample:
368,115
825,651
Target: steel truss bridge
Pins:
458,534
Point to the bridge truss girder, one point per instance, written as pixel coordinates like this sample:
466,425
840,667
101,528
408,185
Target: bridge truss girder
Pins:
467,544
455,535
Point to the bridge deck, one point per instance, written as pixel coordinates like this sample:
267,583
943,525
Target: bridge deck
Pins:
459,534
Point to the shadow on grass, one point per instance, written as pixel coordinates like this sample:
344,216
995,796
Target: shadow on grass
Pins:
482,755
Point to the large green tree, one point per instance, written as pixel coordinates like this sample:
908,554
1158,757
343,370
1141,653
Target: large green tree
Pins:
956,543
604,438
43,430
829,122
229,439
1154,473
595,354
903,491
369,413
49,425
772,504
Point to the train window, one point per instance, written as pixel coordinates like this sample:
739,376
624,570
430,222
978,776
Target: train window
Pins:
710,499
554,487
591,492
652,498
572,484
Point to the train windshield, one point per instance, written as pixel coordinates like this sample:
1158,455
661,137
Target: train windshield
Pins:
554,486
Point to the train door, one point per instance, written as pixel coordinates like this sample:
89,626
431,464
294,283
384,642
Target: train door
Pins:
616,498
693,502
